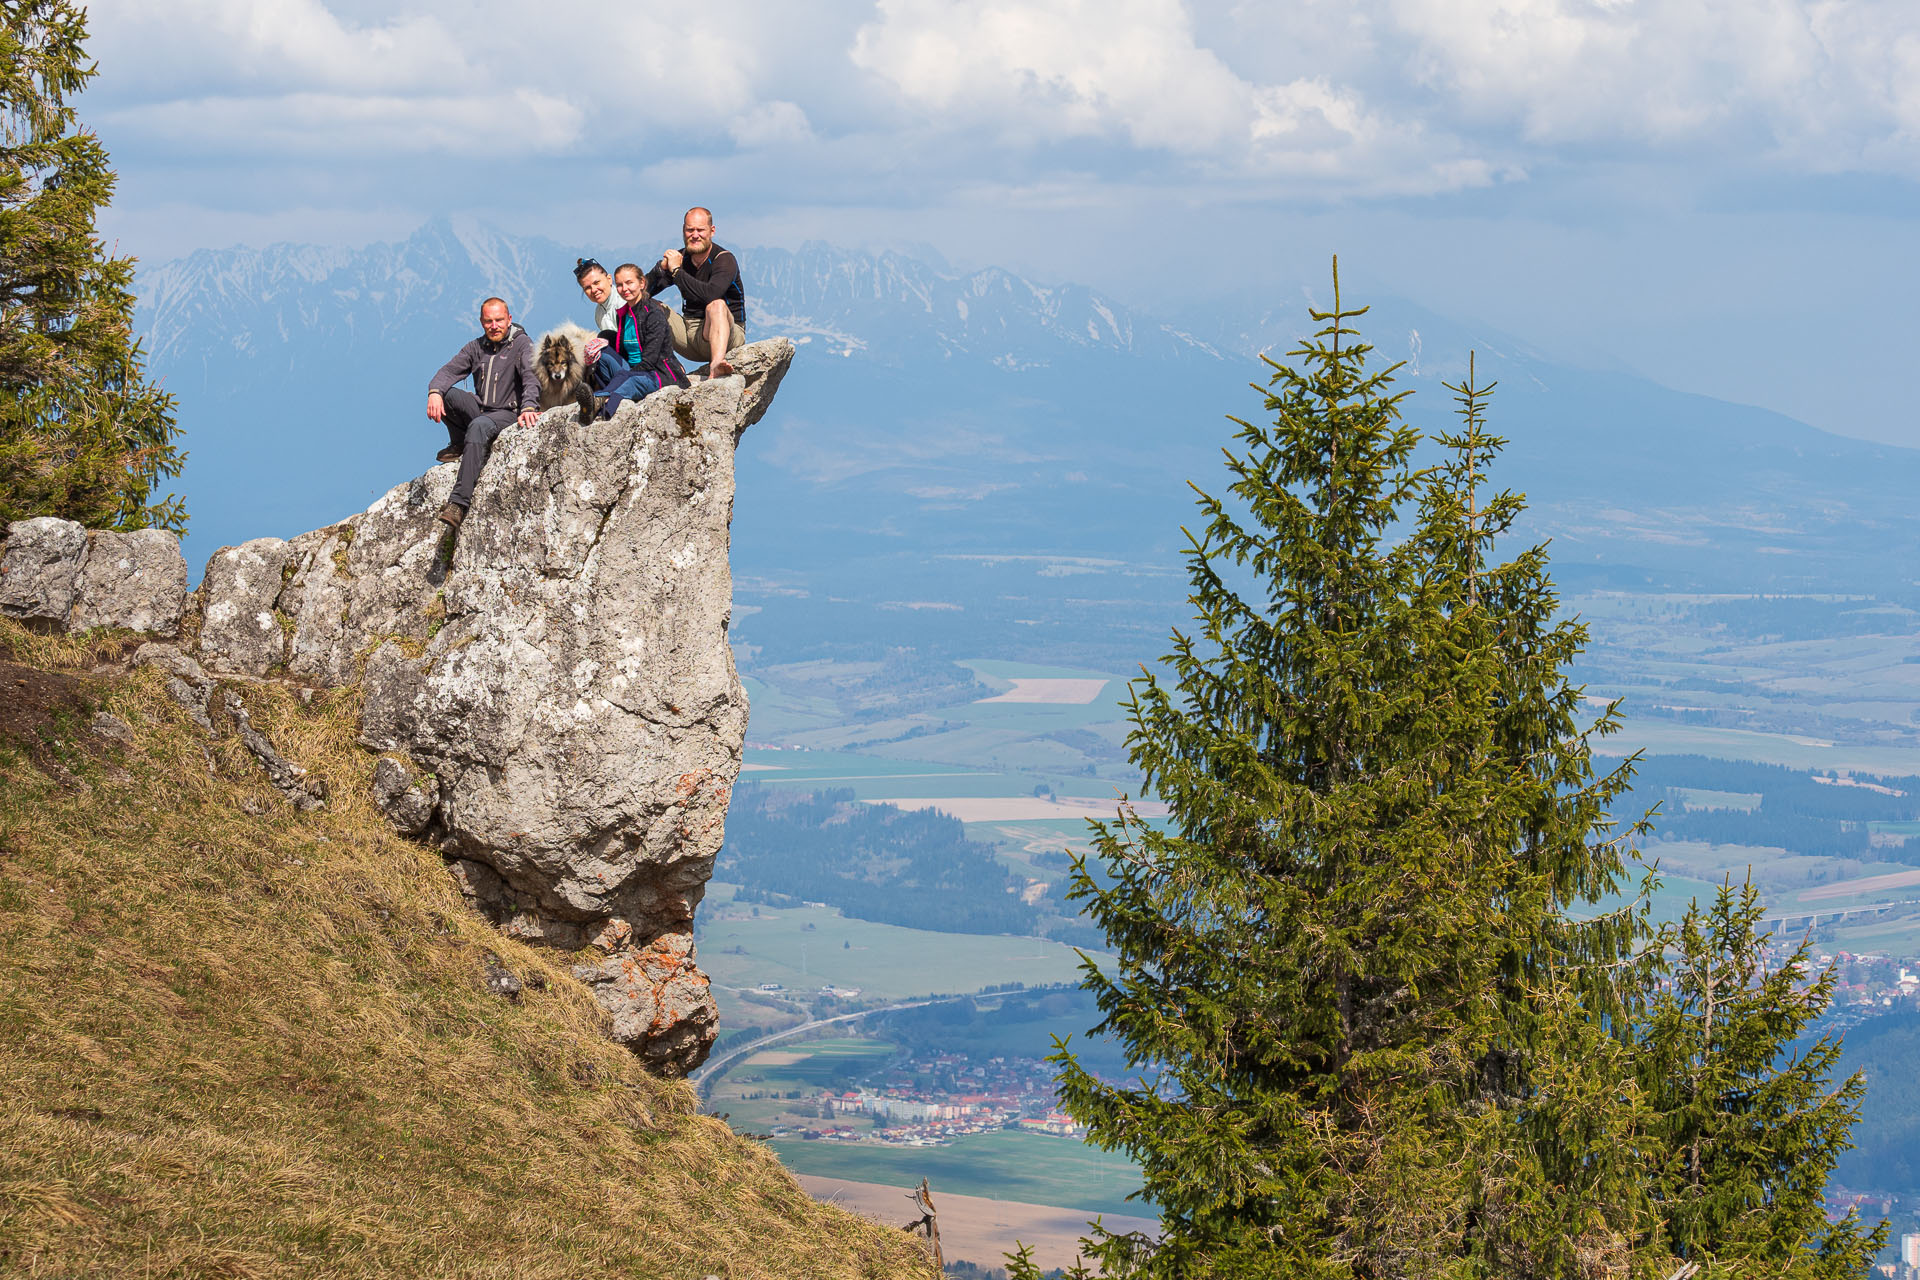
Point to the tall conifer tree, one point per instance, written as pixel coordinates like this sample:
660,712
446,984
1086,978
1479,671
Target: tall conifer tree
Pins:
1748,1127
82,434
1381,1026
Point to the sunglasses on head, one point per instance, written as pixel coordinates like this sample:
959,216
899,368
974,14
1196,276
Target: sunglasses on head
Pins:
583,265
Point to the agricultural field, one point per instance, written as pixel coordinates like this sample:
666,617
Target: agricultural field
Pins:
1003,1165
779,1088
1796,751
805,948
978,1230
1874,935
753,1093
1047,723
872,777
1024,753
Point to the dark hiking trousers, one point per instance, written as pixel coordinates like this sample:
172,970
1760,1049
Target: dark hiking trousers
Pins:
471,430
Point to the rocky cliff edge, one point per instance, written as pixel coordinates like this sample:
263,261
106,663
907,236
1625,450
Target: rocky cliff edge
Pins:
551,695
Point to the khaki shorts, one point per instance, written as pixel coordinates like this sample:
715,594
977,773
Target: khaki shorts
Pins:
690,339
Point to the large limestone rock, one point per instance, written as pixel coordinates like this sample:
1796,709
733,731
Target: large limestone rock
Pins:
552,692
39,570
240,631
577,707
556,702
137,581
375,577
312,609
55,575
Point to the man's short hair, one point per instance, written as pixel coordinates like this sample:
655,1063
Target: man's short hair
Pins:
698,209
629,266
502,301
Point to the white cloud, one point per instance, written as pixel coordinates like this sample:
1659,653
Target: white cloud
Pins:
1133,70
1067,68
916,101
771,124
498,75
1804,85
284,45
365,126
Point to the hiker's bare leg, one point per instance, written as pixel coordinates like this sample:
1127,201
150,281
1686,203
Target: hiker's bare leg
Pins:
717,330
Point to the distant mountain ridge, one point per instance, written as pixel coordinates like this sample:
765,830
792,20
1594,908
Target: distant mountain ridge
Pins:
886,305
938,418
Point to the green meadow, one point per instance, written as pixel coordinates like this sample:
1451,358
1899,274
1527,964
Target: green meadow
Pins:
1001,1165
804,948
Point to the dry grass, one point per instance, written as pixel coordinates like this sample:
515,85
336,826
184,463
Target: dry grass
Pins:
260,1045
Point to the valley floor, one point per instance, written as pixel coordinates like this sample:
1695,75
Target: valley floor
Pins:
974,1229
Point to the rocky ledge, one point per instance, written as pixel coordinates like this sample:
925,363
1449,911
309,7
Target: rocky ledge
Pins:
552,694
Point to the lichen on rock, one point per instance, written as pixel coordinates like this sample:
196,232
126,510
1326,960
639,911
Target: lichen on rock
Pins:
56,575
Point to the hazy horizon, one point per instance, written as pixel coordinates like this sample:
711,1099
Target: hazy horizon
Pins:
1721,199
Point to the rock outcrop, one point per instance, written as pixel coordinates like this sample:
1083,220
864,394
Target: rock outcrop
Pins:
552,693
56,575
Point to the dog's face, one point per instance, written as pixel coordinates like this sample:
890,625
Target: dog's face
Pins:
557,362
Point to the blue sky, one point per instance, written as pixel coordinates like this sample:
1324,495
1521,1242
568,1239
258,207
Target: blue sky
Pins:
1720,194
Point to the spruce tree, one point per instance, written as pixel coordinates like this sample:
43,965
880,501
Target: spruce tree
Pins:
82,434
1381,1025
1747,1124
1381,804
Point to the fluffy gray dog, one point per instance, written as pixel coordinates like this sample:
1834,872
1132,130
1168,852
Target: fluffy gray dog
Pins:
561,367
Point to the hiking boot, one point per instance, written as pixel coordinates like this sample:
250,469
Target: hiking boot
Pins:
448,454
451,516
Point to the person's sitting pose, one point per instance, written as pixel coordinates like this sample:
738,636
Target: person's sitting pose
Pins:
642,343
500,362
597,287
713,305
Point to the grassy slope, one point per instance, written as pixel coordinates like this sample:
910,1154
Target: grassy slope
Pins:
256,1046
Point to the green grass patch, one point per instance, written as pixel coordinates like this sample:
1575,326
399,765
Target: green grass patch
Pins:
1699,798
1670,900
804,948
1004,1165
1795,751
829,1064
1897,935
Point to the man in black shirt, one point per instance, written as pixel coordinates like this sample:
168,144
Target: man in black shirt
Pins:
713,306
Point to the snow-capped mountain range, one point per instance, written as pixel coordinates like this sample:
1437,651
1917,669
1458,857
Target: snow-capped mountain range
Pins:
935,412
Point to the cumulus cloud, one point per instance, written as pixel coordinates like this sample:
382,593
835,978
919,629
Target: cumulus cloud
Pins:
1305,98
1135,71
280,45
1400,92
324,76
357,125
1808,84
1060,69
771,124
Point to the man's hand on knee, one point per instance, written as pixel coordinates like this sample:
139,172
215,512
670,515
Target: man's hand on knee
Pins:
436,406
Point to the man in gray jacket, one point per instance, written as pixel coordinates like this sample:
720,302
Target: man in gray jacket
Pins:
500,361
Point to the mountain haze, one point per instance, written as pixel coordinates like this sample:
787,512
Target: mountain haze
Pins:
980,440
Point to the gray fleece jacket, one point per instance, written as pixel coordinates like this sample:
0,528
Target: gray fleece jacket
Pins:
502,372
